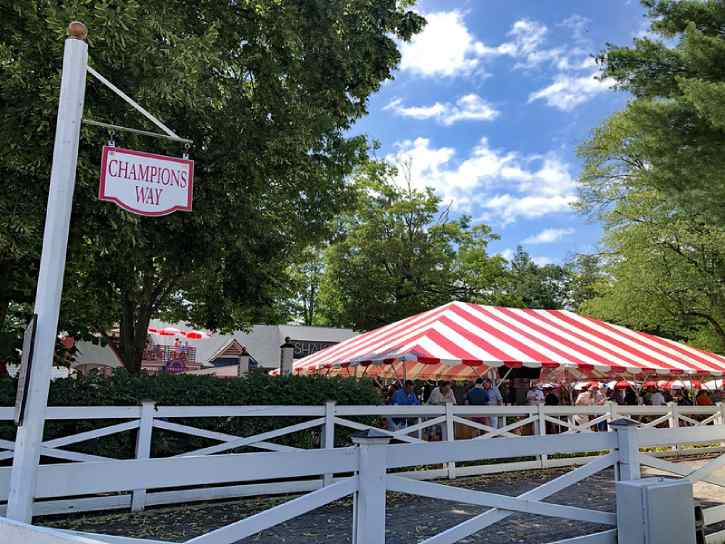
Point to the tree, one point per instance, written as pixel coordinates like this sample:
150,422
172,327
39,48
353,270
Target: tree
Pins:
300,300
529,285
665,272
671,135
585,273
400,253
655,173
265,89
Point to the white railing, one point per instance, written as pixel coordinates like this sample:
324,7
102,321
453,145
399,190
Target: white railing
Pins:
368,471
453,424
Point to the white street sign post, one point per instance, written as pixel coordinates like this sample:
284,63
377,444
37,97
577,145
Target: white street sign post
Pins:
50,279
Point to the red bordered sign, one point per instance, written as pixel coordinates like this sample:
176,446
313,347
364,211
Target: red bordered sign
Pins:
145,183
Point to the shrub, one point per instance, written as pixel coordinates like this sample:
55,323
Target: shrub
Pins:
123,389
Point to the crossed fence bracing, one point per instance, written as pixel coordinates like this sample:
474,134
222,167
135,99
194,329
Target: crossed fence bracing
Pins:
373,466
448,422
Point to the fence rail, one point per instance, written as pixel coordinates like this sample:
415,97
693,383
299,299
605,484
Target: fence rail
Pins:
453,425
367,471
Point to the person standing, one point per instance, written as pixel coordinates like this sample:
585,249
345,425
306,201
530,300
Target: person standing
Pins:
550,399
478,396
494,399
657,398
405,396
703,398
440,396
535,396
630,397
585,398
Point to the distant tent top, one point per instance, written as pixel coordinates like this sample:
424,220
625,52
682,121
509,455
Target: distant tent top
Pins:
475,335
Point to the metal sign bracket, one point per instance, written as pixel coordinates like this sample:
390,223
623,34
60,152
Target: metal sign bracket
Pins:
169,134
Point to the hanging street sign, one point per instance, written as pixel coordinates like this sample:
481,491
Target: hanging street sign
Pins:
145,183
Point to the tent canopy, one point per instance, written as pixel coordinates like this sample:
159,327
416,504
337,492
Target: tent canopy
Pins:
474,335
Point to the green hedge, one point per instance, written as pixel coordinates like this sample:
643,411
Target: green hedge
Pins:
122,389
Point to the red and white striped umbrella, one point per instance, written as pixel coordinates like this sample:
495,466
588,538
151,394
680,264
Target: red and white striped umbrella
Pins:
196,335
169,331
475,335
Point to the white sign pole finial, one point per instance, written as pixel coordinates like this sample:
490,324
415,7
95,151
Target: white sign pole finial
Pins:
52,267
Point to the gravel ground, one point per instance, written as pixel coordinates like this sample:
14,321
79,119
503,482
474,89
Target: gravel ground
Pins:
410,519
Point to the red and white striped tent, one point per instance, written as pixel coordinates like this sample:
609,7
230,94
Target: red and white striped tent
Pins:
471,335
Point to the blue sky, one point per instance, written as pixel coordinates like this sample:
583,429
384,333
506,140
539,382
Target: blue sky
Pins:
489,104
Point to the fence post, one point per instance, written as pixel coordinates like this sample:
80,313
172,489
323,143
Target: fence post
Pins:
612,414
143,449
721,406
674,420
243,367
369,516
450,437
543,458
627,467
328,435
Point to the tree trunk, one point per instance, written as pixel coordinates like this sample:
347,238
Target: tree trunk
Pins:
133,333
4,305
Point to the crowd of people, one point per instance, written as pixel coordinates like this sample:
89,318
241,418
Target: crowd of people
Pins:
484,392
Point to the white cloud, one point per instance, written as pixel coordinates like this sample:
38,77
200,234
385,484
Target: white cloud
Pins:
509,207
542,261
567,92
507,253
578,25
497,185
470,107
416,112
445,47
548,236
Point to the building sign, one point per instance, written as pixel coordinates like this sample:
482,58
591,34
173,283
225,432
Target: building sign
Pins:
144,183
175,366
303,348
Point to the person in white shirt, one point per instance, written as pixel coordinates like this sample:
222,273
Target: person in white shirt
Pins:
440,396
590,396
658,399
535,396
494,399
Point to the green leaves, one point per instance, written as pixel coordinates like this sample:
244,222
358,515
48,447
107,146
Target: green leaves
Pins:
399,253
656,174
671,137
258,388
266,90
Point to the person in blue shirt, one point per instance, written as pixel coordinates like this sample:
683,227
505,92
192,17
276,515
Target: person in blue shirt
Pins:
478,396
405,396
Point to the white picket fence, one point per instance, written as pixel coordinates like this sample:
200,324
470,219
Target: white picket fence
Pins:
325,420
368,470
